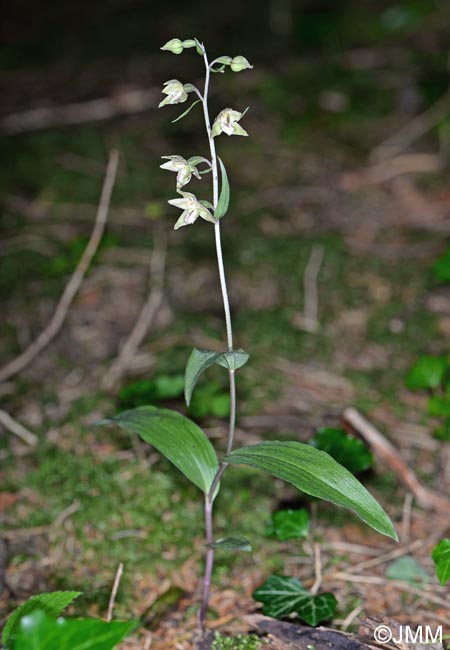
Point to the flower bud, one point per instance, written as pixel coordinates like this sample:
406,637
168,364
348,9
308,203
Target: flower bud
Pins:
189,43
175,91
240,63
174,45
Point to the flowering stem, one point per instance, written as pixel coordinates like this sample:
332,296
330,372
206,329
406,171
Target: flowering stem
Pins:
229,330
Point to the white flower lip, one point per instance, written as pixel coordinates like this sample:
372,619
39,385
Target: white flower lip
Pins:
182,167
192,210
227,122
175,91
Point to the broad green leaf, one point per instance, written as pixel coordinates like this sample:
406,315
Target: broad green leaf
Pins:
231,544
52,603
188,110
427,372
317,474
38,631
441,268
224,198
282,595
200,360
176,437
441,558
443,431
347,450
406,568
151,391
439,406
289,524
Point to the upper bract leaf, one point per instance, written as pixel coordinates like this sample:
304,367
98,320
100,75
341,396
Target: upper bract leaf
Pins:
224,198
317,474
200,360
179,439
52,603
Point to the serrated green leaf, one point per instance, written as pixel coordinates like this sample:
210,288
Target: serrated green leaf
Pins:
441,559
427,372
224,198
38,631
176,437
52,603
290,524
317,474
201,360
231,544
407,569
347,450
282,595
188,110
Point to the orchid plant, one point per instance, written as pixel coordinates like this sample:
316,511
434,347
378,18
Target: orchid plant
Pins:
177,437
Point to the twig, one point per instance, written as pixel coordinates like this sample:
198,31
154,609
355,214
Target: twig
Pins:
18,429
413,130
76,279
317,569
115,588
384,449
402,586
148,641
146,316
123,103
309,320
66,513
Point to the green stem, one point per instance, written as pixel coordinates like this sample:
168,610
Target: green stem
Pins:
229,330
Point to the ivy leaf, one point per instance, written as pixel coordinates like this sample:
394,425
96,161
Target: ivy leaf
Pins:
38,631
317,474
200,360
188,110
289,524
224,198
282,595
51,603
441,558
347,450
427,372
176,437
231,544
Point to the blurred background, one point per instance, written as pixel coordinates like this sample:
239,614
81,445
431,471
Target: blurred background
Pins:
335,248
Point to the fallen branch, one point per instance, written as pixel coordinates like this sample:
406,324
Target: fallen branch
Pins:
114,591
309,320
17,429
146,316
128,102
76,279
287,636
385,451
413,130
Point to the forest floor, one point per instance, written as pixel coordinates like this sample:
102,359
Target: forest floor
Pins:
304,187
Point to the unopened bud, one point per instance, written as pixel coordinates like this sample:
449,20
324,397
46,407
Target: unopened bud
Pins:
240,63
174,45
189,43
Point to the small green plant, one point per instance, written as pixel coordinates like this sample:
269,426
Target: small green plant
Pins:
37,624
441,558
432,374
177,437
239,642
